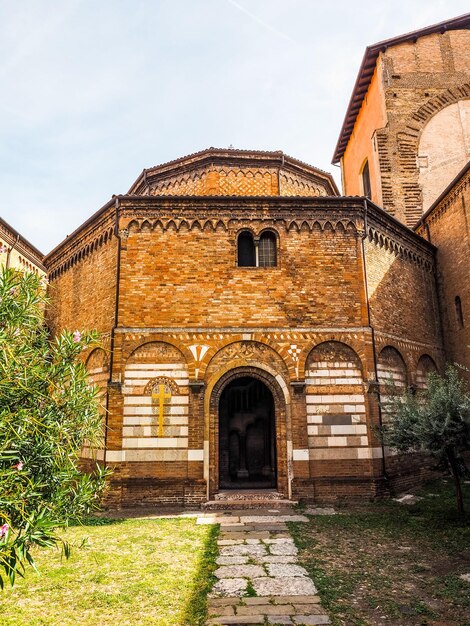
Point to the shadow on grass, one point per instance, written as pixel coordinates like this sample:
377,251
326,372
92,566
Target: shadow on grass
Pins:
98,521
195,612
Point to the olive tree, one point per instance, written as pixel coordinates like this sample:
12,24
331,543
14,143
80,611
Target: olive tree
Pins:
435,420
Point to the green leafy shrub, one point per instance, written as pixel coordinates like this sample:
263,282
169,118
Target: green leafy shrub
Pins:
434,420
48,411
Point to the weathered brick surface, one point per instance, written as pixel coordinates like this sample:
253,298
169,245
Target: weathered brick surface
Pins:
446,225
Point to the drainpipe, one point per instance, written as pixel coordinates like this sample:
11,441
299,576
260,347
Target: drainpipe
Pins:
10,251
116,320
384,466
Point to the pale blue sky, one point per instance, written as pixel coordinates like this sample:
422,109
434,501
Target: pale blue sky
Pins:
93,92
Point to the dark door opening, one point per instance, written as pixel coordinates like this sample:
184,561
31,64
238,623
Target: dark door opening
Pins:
247,436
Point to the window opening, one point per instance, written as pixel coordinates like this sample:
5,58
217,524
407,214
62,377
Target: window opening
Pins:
246,250
267,250
366,180
459,312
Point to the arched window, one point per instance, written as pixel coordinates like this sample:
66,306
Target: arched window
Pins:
246,250
459,312
267,250
366,181
259,252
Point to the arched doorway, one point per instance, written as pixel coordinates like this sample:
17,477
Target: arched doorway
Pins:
247,435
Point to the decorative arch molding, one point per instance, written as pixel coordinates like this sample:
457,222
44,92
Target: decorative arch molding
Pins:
80,252
399,249
148,224
424,367
97,357
410,351
168,383
354,342
332,350
163,346
391,364
438,103
245,352
282,401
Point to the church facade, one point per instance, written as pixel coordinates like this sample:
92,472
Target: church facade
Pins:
252,317
247,328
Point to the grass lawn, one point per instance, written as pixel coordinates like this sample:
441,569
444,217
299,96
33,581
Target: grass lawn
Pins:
387,563
133,572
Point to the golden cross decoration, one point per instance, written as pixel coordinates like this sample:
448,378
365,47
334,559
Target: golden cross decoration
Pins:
161,396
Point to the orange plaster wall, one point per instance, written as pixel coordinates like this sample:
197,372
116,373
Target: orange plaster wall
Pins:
361,147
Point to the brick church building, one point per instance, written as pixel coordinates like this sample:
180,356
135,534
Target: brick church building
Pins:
251,315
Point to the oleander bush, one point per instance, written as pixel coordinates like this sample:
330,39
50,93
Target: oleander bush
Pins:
48,411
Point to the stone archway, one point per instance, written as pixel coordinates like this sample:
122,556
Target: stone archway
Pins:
277,462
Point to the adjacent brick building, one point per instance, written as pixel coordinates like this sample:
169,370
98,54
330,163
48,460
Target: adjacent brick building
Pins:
407,126
405,142
18,252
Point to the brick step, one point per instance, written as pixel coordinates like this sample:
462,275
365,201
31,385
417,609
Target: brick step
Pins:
236,505
248,494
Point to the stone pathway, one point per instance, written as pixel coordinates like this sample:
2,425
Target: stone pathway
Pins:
259,579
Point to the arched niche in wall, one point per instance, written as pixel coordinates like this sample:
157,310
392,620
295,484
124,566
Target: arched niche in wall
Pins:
443,149
426,365
392,376
336,411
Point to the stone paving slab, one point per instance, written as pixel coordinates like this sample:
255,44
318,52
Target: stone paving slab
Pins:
307,620
243,550
237,619
290,599
258,555
301,586
272,519
276,559
283,549
286,570
229,587
232,560
239,571
266,609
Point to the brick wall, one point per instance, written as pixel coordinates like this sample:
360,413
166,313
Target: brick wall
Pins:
418,80
82,282
447,226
